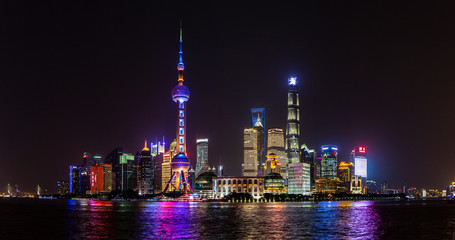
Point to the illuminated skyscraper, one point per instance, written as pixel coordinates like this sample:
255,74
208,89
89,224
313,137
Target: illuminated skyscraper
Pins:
345,173
161,147
309,156
250,152
180,163
62,187
299,178
258,121
74,180
202,149
108,177
96,179
166,171
360,161
153,149
158,172
360,165
275,144
113,158
292,146
145,172
329,161
128,172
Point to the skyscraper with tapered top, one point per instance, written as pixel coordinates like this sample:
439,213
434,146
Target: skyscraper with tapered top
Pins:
180,163
202,150
292,146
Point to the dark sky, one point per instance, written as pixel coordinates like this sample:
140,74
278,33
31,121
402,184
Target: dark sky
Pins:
78,77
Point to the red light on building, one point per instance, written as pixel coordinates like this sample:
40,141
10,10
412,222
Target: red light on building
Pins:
97,178
362,150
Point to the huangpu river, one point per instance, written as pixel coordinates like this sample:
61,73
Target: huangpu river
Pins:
87,219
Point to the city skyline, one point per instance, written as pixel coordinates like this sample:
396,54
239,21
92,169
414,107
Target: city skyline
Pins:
371,98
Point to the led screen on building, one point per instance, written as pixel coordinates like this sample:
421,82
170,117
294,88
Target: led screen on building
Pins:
361,167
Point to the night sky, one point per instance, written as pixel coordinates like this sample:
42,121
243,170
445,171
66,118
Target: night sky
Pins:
78,77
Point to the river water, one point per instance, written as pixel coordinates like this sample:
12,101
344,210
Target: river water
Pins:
77,219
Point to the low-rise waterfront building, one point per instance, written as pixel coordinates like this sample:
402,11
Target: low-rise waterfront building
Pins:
223,186
274,184
325,185
356,185
203,185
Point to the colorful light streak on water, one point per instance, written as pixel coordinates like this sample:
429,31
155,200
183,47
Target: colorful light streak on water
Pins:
74,219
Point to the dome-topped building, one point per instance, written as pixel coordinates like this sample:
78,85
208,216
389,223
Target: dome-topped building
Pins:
274,183
203,186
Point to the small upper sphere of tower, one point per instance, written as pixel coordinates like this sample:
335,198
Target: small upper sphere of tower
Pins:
180,93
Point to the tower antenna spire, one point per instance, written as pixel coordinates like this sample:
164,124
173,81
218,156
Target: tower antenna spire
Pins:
181,66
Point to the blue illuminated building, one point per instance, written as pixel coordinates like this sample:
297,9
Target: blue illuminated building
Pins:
329,161
258,120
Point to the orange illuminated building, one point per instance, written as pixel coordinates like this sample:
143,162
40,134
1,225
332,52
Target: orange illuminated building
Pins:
272,164
97,178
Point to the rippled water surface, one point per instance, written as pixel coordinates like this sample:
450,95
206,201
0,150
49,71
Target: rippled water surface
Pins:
74,219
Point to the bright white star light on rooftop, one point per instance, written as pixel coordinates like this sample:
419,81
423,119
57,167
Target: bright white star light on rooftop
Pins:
292,81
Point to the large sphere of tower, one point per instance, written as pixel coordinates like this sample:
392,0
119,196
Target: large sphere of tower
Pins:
180,163
180,93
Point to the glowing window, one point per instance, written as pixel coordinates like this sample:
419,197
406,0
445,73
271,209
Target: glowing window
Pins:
181,131
181,148
181,140
181,105
181,113
181,122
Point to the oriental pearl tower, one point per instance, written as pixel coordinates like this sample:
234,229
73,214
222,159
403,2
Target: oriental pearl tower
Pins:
180,162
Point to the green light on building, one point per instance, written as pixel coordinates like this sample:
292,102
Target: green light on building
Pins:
125,157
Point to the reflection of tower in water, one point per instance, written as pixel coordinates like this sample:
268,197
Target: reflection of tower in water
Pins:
180,163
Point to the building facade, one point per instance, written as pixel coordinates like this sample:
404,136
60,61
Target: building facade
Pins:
325,185
63,187
127,179
345,172
274,184
250,156
309,156
74,180
299,180
275,144
329,161
97,179
108,177
356,185
258,121
272,165
202,150
360,163
223,186
158,161
166,170
146,172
